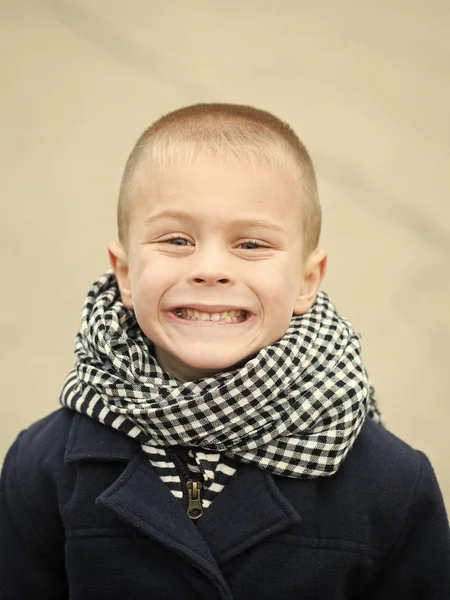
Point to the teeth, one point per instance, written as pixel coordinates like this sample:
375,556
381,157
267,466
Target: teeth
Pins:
231,316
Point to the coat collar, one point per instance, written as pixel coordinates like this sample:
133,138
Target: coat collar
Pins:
140,498
90,440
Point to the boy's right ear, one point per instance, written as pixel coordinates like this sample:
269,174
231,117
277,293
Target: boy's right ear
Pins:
119,263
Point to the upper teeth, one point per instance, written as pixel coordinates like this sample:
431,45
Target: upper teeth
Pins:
229,315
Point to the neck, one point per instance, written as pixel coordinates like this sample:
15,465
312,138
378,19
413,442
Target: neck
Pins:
184,372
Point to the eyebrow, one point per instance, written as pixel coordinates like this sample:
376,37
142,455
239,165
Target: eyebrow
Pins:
184,216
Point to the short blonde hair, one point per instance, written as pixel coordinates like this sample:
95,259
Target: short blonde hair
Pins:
228,131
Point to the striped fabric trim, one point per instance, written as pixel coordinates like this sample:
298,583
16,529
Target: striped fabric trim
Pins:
214,469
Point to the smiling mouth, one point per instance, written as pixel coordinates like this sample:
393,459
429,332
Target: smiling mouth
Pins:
229,316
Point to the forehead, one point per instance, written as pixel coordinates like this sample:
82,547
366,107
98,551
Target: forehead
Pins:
212,186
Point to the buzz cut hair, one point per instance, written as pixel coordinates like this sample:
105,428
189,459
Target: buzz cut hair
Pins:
231,132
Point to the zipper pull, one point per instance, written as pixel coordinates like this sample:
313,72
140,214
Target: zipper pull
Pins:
195,508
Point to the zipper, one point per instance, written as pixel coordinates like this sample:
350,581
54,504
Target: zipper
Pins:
195,508
193,487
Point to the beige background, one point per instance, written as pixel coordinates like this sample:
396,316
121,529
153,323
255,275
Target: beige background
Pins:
365,84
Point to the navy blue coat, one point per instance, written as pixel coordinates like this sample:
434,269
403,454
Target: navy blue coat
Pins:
84,516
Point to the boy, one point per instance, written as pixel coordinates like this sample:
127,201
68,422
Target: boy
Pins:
219,437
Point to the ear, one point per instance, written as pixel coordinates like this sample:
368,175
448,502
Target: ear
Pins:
315,269
119,263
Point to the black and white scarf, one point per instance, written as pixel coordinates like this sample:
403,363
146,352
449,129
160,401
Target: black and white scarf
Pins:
295,409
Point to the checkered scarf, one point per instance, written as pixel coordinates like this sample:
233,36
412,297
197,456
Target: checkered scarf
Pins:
295,409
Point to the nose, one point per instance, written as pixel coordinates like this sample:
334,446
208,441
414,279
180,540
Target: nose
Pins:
210,269
209,279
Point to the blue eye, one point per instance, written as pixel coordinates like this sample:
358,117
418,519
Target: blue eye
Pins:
251,245
178,241
175,240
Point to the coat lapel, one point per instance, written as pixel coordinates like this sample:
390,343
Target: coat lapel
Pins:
140,498
249,510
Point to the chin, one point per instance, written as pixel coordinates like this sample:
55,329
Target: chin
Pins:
214,362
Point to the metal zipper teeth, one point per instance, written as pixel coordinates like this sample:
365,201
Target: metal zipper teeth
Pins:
191,489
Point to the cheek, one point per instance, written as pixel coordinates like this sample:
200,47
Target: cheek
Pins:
278,286
277,294
149,281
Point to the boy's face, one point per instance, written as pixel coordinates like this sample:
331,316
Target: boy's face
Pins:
214,270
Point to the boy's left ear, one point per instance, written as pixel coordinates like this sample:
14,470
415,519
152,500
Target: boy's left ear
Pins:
314,272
